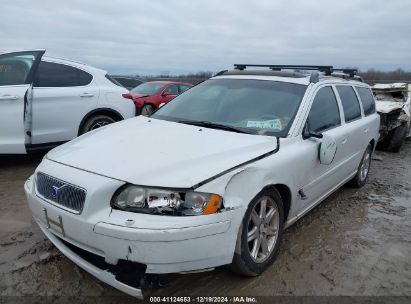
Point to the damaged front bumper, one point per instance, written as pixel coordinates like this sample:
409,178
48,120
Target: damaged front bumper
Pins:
85,262
100,241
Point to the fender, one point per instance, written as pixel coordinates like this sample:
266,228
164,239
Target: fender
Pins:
89,114
239,166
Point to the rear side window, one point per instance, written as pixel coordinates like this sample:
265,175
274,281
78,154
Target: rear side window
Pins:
183,88
350,103
367,100
324,113
173,89
51,74
114,81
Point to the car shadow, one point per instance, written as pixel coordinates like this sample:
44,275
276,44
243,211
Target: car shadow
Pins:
13,160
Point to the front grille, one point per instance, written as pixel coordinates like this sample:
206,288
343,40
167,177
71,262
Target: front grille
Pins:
63,194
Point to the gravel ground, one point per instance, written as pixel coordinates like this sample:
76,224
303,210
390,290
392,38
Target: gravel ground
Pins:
356,243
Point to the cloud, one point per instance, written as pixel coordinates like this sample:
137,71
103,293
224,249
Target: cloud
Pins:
150,36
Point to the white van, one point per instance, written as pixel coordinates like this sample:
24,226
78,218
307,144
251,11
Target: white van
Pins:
46,101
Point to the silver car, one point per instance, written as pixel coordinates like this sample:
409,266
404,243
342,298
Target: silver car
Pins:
211,178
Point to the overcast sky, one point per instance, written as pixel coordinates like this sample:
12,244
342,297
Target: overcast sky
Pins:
179,36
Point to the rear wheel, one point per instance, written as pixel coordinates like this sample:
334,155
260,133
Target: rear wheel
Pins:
147,110
260,236
361,177
96,122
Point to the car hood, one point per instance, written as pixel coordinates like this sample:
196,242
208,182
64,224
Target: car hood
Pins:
386,106
152,152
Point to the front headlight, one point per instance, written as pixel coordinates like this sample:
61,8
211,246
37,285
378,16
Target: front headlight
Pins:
164,201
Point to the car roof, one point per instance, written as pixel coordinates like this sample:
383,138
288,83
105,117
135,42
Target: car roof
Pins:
282,76
73,63
397,86
77,64
299,74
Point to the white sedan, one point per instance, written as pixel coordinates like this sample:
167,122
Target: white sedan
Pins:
211,178
45,101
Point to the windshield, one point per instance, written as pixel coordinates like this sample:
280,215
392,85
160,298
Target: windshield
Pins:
254,106
148,88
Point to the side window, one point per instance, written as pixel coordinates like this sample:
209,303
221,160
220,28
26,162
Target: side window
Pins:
350,103
324,113
51,74
367,100
183,88
173,89
15,69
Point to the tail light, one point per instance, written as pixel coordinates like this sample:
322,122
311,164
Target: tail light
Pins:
127,96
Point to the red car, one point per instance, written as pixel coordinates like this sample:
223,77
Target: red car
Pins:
150,95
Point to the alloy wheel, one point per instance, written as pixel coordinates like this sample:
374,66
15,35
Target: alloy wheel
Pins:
263,227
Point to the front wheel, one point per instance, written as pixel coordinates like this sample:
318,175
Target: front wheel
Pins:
96,122
261,233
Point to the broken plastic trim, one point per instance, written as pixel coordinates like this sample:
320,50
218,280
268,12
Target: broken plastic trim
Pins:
238,166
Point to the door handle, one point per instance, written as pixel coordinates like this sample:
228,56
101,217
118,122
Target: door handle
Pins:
344,141
9,97
86,95
366,130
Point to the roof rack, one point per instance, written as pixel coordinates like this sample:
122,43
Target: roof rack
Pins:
349,72
327,69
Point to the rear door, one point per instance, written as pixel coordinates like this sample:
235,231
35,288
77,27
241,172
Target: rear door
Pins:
63,95
16,77
356,138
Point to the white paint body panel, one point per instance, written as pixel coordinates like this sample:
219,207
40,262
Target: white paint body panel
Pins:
160,153
386,106
12,137
57,112
153,152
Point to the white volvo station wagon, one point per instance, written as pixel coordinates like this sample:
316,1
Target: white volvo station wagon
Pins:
212,178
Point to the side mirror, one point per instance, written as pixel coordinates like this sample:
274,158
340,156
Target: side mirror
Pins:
328,149
166,93
308,134
328,146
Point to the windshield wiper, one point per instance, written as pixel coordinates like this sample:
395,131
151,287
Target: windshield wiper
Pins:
212,125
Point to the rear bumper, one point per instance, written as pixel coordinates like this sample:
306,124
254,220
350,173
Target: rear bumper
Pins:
103,275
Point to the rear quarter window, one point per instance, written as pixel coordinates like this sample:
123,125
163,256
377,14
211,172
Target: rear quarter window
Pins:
367,100
350,103
50,74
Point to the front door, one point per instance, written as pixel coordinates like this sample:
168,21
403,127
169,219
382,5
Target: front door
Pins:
325,118
16,77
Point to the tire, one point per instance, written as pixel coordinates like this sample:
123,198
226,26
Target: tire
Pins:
253,259
396,138
147,110
96,122
363,170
